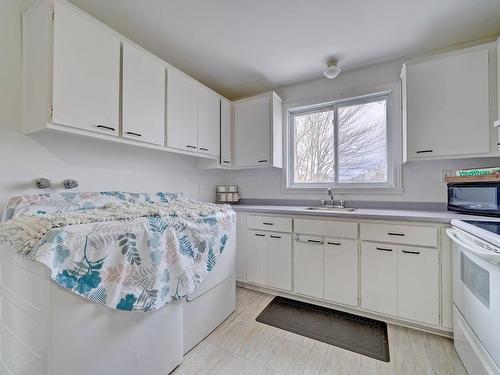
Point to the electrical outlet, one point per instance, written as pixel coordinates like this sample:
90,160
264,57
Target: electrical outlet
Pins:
446,173
201,189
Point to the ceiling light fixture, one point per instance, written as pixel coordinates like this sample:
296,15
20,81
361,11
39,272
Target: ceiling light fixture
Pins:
332,70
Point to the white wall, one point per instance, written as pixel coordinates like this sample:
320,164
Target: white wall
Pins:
95,164
422,180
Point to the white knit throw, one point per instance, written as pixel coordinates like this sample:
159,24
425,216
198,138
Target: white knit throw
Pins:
24,232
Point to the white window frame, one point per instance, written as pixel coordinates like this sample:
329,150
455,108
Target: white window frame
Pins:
392,93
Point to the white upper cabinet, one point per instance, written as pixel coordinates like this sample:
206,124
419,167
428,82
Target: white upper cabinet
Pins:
86,72
446,102
225,133
257,131
182,127
143,96
209,116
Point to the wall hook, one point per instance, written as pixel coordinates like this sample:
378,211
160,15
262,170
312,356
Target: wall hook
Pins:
43,183
70,184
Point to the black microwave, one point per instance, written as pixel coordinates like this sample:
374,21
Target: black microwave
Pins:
477,198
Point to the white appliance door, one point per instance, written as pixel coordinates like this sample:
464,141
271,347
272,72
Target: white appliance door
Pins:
476,288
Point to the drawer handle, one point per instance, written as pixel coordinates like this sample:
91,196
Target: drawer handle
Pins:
424,151
396,234
260,235
190,146
106,127
334,243
275,236
411,252
262,161
203,149
226,161
315,241
136,134
267,223
383,249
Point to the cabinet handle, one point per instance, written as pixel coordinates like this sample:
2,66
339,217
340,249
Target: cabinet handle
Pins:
203,149
396,234
262,161
334,243
424,151
411,252
275,236
190,146
136,134
267,223
315,241
383,249
226,161
260,235
106,127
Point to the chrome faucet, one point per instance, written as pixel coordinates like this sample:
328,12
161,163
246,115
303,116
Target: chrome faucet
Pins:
330,194
332,201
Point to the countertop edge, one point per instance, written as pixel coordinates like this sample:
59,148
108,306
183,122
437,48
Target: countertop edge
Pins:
438,217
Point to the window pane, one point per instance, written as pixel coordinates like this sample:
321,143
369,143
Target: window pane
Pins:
313,143
362,146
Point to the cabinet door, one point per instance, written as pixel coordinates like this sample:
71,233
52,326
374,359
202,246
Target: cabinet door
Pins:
182,128
208,122
241,246
86,81
225,133
143,96
257,257
418,284
444,97
378,277
308,266
341,271
280,260
252,121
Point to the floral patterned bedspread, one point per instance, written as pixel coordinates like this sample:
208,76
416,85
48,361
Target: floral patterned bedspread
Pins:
134,265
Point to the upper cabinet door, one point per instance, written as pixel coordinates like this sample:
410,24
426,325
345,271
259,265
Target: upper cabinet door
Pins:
143,96
447,105
182,128
252,131
225,133
86,82
208,122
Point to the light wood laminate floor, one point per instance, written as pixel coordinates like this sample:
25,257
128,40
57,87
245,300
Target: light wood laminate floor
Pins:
242,346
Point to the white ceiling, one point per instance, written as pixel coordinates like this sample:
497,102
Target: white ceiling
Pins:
242,47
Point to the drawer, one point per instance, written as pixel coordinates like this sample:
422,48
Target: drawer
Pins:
327,228
405,234
271,223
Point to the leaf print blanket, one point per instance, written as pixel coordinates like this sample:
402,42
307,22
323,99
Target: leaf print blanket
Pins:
147,251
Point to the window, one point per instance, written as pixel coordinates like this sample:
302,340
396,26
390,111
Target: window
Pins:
343,144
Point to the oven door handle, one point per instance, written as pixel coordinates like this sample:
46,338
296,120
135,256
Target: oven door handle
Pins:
488,255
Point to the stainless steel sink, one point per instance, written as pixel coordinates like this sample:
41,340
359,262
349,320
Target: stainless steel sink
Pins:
335,209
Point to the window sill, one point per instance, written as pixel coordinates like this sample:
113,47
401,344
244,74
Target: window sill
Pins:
294,189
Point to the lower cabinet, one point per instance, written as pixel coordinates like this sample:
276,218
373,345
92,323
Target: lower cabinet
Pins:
375,271
378,277
341,271
279,258
257,257
269,259
401,281
418,284
308,265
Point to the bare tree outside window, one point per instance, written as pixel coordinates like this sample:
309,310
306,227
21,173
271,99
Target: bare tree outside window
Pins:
314,147
361,144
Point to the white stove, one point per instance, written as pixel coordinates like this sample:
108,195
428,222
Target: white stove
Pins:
476,294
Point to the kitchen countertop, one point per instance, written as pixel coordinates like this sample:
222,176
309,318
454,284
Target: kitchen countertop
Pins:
444,217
